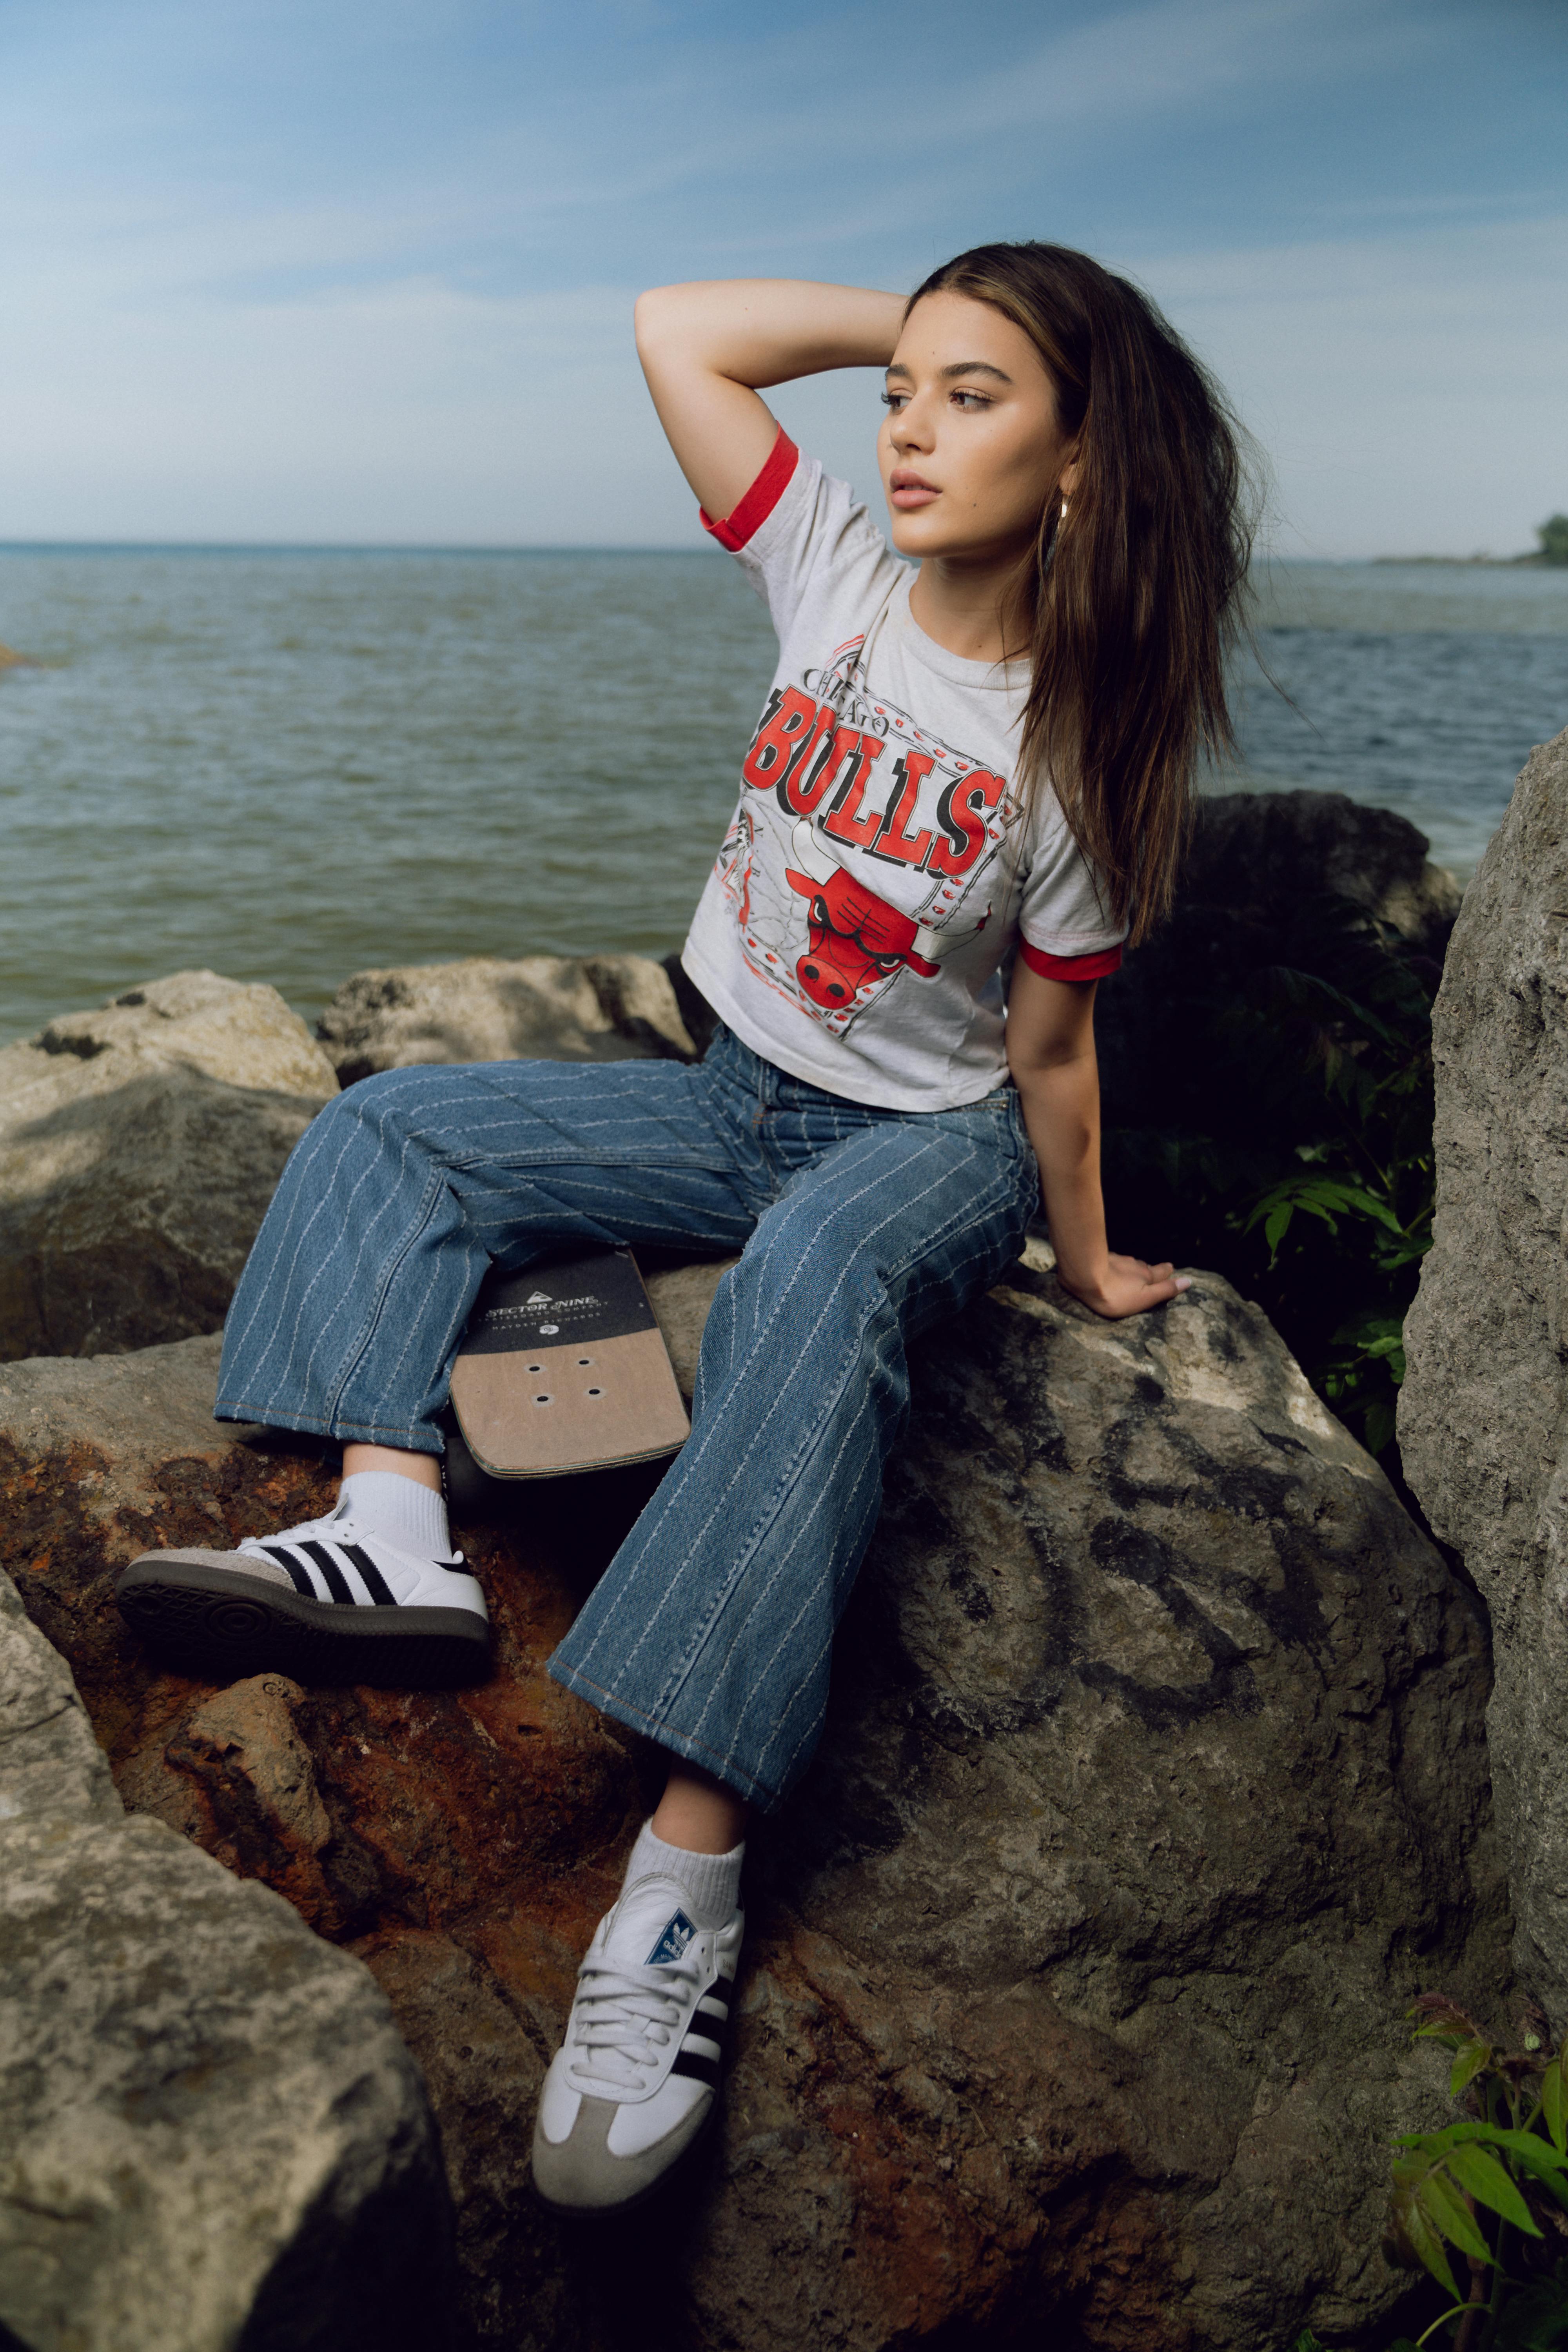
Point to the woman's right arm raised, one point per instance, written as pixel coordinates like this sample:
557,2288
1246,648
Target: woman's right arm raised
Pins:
707,349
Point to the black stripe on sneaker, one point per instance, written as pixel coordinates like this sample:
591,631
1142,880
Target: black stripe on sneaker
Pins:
337,1582
300,1577
699,2069
375,1585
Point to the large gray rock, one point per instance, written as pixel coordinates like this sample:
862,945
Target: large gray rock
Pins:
1312,880
486,1009
1263,850
139,1147
209,2127
1482,1428
1157,1784
1155,1787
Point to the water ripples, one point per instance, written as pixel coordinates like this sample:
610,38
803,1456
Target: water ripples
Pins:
292,765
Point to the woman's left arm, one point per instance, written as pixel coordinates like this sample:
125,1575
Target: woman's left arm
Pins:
1050,1051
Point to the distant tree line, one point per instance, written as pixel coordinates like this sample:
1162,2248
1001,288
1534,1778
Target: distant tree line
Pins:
1553,537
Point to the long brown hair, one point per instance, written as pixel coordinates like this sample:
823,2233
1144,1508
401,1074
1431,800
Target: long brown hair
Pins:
1135,598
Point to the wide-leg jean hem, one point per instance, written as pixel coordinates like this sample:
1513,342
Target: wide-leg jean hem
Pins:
667,1735
715,1621
418,1437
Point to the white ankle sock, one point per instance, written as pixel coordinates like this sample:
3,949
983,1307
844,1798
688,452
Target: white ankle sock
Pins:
407,1514
710,1882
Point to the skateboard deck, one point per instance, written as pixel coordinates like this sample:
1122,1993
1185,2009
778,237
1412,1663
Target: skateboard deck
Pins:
565,1369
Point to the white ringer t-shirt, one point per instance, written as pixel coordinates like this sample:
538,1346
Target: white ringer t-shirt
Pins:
882,857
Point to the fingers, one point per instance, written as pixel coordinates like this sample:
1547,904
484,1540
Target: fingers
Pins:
1129,1298
1164,1283
1140,1268
1135,1286
1136,1292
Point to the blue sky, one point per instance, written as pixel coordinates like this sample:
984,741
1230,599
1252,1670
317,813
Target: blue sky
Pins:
363,273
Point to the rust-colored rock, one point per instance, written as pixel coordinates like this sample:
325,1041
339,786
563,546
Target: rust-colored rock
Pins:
1071,2011
210,2130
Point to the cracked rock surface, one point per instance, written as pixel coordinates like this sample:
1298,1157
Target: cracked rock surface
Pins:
1072,2008
210,2132
1483,1416
140,1144
495,1009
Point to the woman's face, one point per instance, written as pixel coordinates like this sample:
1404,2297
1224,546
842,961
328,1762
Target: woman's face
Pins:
971,448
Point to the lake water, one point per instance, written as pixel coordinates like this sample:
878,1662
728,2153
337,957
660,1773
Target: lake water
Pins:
290,766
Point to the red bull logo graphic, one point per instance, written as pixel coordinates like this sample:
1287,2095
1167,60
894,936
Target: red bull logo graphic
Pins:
861,788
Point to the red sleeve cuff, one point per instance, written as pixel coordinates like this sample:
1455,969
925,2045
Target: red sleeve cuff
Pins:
1085,967
760,499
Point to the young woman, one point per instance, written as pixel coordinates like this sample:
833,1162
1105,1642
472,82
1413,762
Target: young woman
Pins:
981,750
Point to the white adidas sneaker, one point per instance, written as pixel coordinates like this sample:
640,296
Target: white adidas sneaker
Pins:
638,2075
329,1601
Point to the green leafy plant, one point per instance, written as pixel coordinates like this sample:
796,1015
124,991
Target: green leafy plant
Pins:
1297,1157
1490,2190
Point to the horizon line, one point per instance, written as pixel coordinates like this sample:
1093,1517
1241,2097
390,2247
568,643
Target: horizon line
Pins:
1477,559
548,547
346,547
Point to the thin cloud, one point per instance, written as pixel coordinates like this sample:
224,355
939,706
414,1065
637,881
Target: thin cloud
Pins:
276,272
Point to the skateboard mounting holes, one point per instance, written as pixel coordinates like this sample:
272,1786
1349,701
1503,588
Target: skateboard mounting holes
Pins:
515,1374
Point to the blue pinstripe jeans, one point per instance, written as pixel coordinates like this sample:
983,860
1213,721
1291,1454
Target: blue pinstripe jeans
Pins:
710,1629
